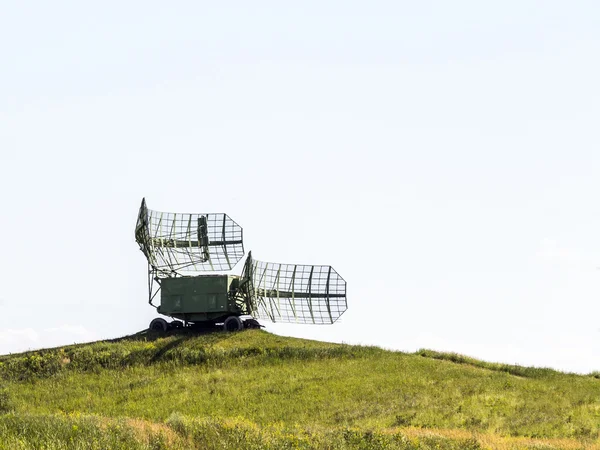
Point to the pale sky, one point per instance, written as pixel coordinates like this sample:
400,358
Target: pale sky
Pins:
443,157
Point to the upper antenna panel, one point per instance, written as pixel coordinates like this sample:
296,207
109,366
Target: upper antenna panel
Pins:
181,244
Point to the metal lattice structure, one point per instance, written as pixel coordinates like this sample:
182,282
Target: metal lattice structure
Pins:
182,248
187,244
295,293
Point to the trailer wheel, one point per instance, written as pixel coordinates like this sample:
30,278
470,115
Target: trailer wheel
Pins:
252,323
159,325
233,323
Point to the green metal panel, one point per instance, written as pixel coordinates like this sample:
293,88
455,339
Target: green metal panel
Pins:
198,298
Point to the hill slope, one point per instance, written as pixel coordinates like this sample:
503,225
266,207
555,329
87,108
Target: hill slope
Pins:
256,390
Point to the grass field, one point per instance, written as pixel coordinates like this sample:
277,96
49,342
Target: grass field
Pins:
253,389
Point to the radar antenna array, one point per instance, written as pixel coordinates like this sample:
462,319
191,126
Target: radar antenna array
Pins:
184,244
182,248
294,293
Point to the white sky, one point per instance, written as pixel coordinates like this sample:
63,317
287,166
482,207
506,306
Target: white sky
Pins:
442,156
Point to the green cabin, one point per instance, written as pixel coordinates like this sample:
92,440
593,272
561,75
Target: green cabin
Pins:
199,298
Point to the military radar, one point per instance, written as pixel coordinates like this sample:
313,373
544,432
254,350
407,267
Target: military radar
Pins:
185,250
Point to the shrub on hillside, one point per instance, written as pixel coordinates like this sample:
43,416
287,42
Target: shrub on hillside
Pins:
38,364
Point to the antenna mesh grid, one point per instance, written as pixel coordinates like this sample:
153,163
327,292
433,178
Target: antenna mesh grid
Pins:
188,243
298,293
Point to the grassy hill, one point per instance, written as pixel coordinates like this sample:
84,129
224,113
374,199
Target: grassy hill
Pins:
254,390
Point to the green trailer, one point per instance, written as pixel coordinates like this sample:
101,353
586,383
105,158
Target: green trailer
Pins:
182,248
201,298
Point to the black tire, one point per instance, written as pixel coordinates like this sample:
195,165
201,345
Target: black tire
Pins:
252,324
159,325
233,323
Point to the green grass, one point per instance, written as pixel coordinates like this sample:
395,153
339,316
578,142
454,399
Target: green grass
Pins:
257,390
